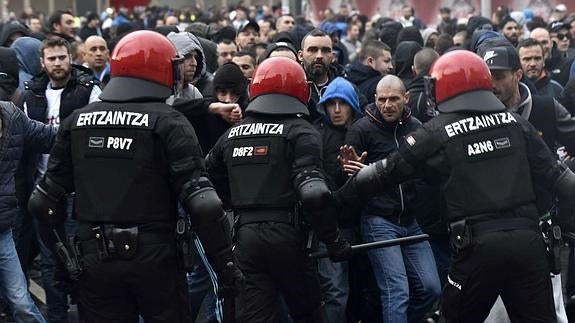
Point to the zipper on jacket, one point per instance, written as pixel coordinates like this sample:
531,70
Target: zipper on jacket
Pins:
400,189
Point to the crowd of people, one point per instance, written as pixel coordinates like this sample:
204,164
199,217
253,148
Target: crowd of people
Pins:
335,97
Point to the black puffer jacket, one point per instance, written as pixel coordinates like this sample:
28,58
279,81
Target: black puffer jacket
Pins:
380,138
18,133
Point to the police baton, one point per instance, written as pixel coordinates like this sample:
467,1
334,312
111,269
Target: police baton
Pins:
377,244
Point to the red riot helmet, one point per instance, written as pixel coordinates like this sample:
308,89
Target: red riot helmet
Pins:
279,86
461,81
144,66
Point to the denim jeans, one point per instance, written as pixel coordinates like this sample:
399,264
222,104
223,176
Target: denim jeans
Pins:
406,275
13,285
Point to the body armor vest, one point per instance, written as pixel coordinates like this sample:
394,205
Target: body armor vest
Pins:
481,150
259,160
121,175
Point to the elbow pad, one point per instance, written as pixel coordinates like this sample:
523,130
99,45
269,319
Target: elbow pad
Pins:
46,202
312,191
318,205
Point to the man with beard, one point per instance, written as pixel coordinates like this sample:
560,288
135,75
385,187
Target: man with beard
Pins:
248,35
510,29
97,57
50,97
316,57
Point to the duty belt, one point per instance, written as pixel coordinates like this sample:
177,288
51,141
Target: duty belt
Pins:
504,224
110,241
280,215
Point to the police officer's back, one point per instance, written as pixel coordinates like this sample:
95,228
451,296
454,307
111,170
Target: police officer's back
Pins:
272,162
488,161
129,159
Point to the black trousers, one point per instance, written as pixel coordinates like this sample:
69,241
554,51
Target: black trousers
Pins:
151,284
271,256
511,264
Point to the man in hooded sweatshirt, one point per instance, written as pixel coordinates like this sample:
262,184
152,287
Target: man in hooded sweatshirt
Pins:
28,54
190,101
403,60
340,107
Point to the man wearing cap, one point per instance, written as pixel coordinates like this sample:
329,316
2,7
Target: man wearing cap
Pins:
553,122
561,36
281,48
506,73
559,12
248,35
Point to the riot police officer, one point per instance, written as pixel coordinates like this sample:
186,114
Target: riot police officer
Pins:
130,159
488,161
272,161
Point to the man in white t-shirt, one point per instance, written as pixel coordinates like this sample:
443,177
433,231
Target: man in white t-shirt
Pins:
50,97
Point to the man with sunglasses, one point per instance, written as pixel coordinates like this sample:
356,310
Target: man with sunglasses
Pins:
557,65
561,36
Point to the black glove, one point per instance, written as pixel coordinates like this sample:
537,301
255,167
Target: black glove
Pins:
339,250
230,281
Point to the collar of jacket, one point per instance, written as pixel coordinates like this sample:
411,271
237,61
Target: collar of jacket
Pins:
78,74
372,112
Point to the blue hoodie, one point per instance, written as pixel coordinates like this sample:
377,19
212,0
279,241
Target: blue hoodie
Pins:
28,53
340,88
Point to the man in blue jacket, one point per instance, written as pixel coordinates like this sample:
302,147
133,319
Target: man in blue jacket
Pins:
17,132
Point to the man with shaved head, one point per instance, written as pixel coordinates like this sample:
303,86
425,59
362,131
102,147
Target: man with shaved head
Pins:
406,275
542,35
97,57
